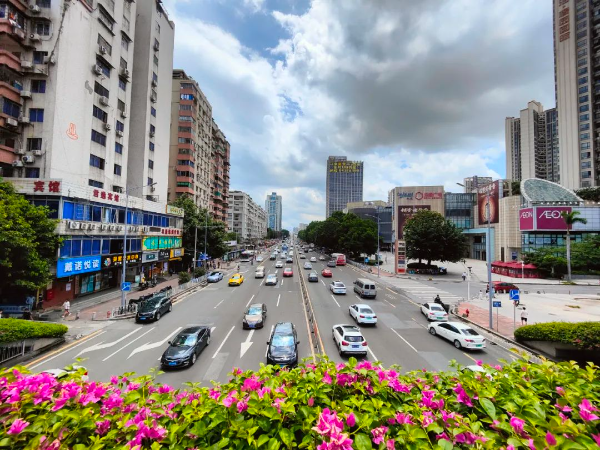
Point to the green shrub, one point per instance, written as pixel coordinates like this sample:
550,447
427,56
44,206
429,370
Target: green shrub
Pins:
184,277
360,404
199,271
12,330
585,335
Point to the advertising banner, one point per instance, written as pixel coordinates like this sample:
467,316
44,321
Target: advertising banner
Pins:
148,257
176,253
526,219
405,213
549,218
494,202
74,266
117,260
164,254
150,243
401,257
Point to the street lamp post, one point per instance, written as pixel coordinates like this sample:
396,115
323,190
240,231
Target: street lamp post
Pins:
377,257
123,302
522,270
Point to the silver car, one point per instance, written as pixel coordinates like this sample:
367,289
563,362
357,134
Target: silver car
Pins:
307,265
271,280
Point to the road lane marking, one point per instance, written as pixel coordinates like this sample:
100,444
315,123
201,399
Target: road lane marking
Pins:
61,351
247,344
261,283
223,343
270,334
391,304
212,330
359,299
278,298
336,302
323,283
219,304
150,346
470,357
407,343
128,344
372,354
101,345
282,282
248,304
420,324
391,290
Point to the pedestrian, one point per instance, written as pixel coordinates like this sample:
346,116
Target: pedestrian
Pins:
467,312
524,315
464,276
67,308
480,294
219,264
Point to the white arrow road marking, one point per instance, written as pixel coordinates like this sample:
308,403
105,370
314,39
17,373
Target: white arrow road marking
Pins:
65,351
248,304
246,345
223,343
392,305
219,304
282,282
278,298
148,345
101,345
128,344
267,350
336,302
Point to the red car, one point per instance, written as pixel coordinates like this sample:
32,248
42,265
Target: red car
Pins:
288,272
326,273
502,287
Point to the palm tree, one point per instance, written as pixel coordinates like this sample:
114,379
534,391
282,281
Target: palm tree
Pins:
570,218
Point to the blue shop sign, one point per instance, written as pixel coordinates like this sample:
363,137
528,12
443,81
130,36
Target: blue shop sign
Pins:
75,266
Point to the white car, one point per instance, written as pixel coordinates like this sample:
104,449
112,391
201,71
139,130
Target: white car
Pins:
433,311
302,256
279,264
349,339
337,287
307,265
460,334
70,370
362,313
321,258
260,272
271,280
313,259
259,259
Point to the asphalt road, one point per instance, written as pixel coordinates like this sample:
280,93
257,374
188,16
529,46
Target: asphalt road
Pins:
400,336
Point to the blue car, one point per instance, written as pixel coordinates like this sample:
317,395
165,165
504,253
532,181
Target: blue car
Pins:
214,277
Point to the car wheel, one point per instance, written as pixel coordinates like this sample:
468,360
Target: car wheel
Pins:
457,344
432,331
157,316
193,359
170,307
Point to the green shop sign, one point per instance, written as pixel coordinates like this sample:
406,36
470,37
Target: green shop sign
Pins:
158,242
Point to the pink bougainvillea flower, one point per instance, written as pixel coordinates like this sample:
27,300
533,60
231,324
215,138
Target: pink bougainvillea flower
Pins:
102,427
465,438
228,401
251,384
165,388
560,390
443,435
517,425
379,434
133,387
586,411
114,380
311,402
550,439
510,447
277,404
565,408
242,405
350,420
596,437
479,362
263,391
390,444
563,417
17,426
364,365
404,419
531,444
498,367
236,371
340,366
214,394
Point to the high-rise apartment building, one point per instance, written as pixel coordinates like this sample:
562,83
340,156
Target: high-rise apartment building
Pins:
245,217
190,160
219,174
473,183
577,72
532,144
273,206
344,183
151,101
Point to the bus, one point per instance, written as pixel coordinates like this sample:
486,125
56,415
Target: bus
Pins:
340,259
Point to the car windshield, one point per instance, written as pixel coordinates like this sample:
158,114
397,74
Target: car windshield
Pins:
366,311
282,340
469,332
152,303
354,338
213,274
235,276
254,311
436,308
338,284
184,340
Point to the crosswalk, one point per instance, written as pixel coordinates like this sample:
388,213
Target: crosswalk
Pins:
428,293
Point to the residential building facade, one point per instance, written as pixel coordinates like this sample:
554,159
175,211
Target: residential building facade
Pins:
246,218
344,183
219,174
274,208
376,211
471,184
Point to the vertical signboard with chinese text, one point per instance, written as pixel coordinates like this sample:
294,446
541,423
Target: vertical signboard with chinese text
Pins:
493,189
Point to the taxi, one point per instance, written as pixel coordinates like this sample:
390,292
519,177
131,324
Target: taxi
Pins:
236,279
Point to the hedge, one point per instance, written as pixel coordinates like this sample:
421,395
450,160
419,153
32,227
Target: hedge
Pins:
585,335
323,406
12,330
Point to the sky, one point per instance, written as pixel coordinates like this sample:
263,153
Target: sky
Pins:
418,90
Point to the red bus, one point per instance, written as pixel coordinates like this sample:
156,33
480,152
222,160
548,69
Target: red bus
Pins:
340,259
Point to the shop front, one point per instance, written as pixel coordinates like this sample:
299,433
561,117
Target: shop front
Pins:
151,267
175,260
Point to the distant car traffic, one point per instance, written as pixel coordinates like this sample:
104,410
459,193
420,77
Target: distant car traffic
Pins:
326,273
313,259
255,316
236,279
259,259
501,287
214,277
460,334
321,258
331,263
289,260
433,311
260,272
307,265
362,313
279,264
271,280
273,257
73,369
349,339
288,272
282,347
313,277
185,348
153,309
337,287
302,256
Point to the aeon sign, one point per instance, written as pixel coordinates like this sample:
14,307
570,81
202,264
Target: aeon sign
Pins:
549,218
526,221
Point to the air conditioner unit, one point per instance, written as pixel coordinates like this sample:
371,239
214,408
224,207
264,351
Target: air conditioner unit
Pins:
37,152
104,101
107,126
20,151
156,46
152,189
25,94
26,64
34,37
119,133
153,98
28,159
124,72
24,119
103,226
154,82
50,59
11,122
152,134
124,114
74,225
84,226
34,8
97,69
103,50
17,163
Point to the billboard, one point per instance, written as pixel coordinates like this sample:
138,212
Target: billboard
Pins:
405,213
549,218
494,203
526,219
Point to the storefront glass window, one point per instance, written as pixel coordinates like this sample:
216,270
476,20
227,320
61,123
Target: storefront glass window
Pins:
86,248
76,247
96,246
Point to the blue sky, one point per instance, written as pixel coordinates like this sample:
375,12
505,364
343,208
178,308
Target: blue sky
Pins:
417,90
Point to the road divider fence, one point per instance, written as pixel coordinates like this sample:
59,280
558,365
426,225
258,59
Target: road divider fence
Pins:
314,336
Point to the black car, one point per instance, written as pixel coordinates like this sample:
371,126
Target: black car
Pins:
154,308
255,316
283,345
331,263
185,348
313,277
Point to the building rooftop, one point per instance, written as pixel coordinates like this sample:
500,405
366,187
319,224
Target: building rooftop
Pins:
541,192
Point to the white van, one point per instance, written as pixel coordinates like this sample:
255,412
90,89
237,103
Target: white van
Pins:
365,288
260,272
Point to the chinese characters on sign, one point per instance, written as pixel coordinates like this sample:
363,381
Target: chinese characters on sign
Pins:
99,193
563,21
74,266
117,260
405,213
40,186
401,257
344,166
158,242
493,200
421,195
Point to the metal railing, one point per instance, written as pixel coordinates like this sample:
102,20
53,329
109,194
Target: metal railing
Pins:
11,350
312,321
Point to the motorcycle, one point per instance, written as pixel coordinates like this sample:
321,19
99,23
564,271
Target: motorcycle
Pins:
143,286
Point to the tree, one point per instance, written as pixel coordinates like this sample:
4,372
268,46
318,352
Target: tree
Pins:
285,234
231,236
28,242
570,219
429,236
590,193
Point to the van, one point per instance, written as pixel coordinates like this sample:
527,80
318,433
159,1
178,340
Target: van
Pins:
260,272
365,288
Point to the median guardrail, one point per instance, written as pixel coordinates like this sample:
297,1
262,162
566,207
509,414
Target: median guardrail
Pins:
316,341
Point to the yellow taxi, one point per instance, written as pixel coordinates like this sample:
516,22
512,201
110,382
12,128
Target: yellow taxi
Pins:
236,279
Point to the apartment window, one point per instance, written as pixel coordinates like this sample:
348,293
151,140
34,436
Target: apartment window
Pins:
38,57
11,108
156,43
34,144
185,162
584,145
186,119
36,115
152,129
582,62
584,98
185,151
121,105
124,43
150,164
581,15
99,138
584,136
184,129
117,170
186,97
154,77
583,89
96,161
42,28
582,43
123,64
95,183
582,52
153,111
185,107
582,71
584,126
105,19
580,6
586,174
582,25
582,80
151,146
110,4
101,90
100,114
586,155
104,43
126,24
120,126
150,181
584,108
586,165
103,66
584,117
32,172
122,85
119,148
44,3
38,86
155,61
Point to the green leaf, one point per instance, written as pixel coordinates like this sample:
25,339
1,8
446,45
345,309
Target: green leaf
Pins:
445,445
263,439
488,407
362,442
274,444
304,412
6,442
286,436
223,442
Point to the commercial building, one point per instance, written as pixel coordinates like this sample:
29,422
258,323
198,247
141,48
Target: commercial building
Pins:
150,101
246,218
219,174
459,209
273,206
190,160
344,183
374,210
532,144
302,226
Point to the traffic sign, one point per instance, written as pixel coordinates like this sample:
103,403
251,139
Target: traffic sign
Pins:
514,295
497,304
126,286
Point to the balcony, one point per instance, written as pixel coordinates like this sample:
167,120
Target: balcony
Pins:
11,61
10,92
185,180
12,37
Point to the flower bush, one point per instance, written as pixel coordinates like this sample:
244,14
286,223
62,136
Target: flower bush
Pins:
322,406
12,330
585,335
